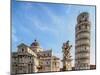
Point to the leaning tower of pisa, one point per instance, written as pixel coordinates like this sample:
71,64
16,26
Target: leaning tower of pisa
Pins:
82,42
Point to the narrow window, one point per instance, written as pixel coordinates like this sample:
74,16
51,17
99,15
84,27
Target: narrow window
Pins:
22,50
86,26
79,27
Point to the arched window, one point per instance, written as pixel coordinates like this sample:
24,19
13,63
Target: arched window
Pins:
85,19
79,27
44,55
85,48
80,21
30,57
22,49
47,62
86,26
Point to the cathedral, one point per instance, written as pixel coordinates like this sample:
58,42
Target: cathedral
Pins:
33,58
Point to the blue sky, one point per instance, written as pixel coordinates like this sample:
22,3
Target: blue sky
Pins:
51,24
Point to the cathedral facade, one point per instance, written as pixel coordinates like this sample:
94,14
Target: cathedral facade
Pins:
32,59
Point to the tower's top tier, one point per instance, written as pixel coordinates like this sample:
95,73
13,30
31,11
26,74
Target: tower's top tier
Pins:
83,17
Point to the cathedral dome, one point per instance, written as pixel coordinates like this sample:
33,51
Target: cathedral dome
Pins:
35,43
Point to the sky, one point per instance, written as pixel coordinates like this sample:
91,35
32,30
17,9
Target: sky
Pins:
50,24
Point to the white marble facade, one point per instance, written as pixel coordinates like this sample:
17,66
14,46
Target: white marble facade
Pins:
31,59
